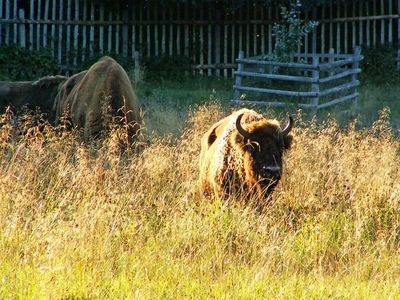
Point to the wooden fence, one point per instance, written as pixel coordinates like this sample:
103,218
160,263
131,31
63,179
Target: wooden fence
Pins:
332,77
75,30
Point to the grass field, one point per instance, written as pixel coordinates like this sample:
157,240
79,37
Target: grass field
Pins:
85,223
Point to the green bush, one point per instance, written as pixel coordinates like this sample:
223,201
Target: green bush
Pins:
17,63
379,65
167,67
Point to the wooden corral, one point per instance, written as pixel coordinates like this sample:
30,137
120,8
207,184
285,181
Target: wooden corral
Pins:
331,79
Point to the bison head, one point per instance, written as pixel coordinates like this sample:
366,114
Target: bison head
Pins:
263,144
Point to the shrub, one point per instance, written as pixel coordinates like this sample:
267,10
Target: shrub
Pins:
291,32
17,63
379,64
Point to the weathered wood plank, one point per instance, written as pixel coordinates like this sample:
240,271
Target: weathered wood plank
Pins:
125,33
209,43
390,28
368,25
213,66
118,27
331,26
68,37
238,80
15,17
338,100
53,28
340,63
46,19
155,17
178,31
275,104
323,33
91,33
31,17
382,22
133,32
263,49
360,24
374,31
275,92
269,30
353,25
186,30
346,30
355,66
274,63
315,85
338,32
225,49
217,39
164,32
340,75
275,76
323,55
171,33
201,37
60,32
76,33
84,30
101,29
339,88
22,32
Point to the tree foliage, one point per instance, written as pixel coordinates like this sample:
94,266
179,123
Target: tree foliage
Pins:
290,32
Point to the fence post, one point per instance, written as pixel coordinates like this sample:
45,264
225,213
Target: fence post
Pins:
330,58
315,84
22,35
136,70
125,32
354,66
238,80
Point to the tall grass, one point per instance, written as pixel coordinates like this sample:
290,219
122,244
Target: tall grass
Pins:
84,222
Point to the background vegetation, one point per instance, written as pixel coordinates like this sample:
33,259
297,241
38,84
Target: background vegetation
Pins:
87,222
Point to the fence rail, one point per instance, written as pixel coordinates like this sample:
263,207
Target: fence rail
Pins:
335,71
76,30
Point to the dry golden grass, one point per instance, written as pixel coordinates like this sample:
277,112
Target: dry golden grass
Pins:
85,222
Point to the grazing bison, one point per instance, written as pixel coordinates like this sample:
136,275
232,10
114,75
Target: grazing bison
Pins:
90,97
243,160
40,93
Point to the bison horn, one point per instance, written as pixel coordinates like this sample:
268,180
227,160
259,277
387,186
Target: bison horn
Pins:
288,126
239,128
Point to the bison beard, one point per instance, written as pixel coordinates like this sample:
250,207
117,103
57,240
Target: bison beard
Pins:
243,161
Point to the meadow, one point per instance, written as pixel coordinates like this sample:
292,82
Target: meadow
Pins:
87,222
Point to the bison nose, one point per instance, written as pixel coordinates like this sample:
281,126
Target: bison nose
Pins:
272,172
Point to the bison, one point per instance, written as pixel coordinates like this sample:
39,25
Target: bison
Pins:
243,160
103,91
40,93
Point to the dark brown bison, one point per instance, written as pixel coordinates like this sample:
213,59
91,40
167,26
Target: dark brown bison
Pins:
40,93
243,160
89,98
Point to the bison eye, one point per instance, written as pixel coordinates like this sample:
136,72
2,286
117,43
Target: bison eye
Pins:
252,147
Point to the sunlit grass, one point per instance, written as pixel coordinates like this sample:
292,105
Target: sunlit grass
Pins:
84,222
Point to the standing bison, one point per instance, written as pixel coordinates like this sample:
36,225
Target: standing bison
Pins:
243,160
39,93
89,98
